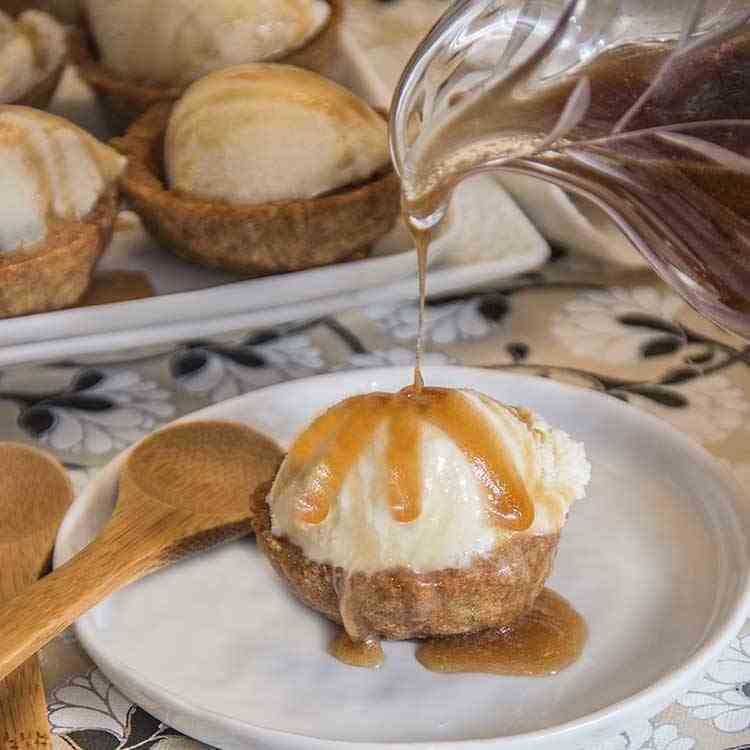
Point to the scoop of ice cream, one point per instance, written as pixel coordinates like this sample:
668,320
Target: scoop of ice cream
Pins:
31,47
362,529
174,42
264,132
51,170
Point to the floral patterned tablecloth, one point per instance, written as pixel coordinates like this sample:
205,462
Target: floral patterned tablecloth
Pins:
579,319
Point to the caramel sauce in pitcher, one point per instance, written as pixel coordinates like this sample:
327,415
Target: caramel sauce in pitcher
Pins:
663,142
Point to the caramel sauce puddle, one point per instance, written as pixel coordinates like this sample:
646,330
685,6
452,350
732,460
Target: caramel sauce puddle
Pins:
545,641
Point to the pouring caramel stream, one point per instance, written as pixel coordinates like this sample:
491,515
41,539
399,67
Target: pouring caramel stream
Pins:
421,239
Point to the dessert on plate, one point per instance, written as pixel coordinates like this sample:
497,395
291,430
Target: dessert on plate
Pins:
58,204
431,512
139,52
33,49
262,168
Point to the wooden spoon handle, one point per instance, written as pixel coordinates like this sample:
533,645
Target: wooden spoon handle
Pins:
23,710
130,546
35,492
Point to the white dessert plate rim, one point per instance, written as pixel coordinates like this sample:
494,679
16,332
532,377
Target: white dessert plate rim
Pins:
642,704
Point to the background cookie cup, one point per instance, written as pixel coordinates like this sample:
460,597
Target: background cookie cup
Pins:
273,237
125,99
33,56
56,272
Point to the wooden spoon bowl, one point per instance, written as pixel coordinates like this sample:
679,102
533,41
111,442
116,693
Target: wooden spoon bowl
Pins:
182,490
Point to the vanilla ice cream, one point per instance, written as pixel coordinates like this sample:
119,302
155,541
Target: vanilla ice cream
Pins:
31,48
265,132
51,170
174,42
360,532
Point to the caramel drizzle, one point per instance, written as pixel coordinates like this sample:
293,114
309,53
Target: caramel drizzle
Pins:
403,458
347,428
342,433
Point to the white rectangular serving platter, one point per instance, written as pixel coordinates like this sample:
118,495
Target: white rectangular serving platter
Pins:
193,302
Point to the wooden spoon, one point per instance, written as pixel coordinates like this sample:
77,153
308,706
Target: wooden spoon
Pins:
35,493
182,490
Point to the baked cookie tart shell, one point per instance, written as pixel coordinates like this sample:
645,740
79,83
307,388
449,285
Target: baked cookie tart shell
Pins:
268,238
399,604
56,272
124,100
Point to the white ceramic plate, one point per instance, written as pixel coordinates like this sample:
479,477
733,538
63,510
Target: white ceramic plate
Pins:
656,560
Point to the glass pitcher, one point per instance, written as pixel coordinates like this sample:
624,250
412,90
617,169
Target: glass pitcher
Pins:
642,106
